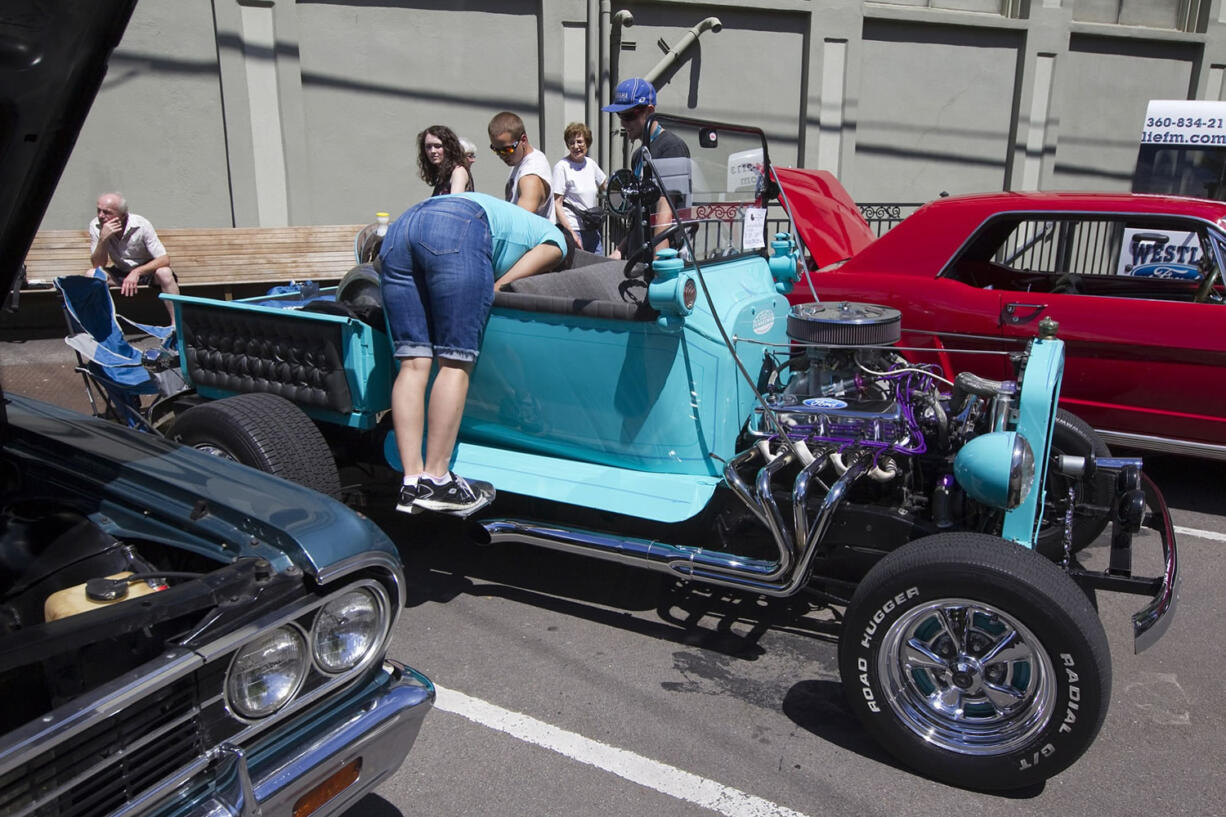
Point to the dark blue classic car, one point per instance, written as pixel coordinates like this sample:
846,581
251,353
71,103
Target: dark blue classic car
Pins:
179,634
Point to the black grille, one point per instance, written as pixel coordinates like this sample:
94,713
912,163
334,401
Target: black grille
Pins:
99,770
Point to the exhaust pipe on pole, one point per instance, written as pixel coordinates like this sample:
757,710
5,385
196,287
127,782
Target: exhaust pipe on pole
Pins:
709,24
611,26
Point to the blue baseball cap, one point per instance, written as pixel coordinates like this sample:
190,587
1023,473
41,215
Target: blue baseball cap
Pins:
631,93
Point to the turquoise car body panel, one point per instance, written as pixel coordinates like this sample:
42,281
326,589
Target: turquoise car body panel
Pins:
1036,416
644,494
662,396
366,351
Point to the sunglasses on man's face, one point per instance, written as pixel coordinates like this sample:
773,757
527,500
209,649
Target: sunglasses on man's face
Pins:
630,114
506,150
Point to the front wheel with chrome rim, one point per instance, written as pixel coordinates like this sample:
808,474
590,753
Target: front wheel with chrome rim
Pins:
975,661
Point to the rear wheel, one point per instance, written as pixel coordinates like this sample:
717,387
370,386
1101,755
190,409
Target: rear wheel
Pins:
264,431
975,661
1072,435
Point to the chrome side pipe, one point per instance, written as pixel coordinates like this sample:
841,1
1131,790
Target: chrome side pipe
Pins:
780,578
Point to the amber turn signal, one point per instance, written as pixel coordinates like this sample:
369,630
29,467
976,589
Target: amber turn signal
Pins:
325,791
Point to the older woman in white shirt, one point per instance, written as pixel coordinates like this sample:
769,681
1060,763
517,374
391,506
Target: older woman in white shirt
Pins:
577,182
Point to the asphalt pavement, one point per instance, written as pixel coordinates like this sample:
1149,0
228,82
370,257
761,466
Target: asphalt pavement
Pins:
740,696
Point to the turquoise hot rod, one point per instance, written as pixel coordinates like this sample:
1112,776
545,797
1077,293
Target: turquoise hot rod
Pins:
673,411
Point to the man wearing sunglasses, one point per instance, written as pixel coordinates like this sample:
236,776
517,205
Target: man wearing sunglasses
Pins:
528,184
634,101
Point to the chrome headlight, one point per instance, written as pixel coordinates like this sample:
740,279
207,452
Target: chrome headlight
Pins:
267,673
996,469
1021,471
347,629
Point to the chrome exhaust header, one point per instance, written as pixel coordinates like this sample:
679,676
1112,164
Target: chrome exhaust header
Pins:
782,577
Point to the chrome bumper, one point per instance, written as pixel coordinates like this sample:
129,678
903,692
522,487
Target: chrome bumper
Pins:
1152,620
373,730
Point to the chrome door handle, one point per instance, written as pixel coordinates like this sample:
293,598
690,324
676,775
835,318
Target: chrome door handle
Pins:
1014,314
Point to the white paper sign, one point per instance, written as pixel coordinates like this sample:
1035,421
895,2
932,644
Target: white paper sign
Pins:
1160,254
754,234
745,170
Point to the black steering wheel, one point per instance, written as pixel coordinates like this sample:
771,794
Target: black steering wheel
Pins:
643,253
1066,284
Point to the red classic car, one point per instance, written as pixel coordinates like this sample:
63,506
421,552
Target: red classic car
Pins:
1135,282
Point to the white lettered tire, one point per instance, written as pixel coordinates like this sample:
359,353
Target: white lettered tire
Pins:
975,661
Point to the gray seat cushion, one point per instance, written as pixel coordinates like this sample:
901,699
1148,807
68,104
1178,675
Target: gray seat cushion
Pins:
595,287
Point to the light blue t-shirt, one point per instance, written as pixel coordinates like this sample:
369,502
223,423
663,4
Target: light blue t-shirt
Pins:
514,231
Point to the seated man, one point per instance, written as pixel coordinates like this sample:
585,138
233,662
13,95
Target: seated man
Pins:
128,248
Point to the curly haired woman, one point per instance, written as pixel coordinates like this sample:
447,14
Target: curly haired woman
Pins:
441,161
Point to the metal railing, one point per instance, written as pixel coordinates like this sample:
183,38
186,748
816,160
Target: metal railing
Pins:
881,216
713,234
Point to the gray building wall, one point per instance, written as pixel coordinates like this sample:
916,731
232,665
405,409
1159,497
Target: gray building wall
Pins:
273,112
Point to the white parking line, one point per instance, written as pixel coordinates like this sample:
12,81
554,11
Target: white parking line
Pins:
1200,534
637,769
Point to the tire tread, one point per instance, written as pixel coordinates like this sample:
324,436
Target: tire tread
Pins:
280,438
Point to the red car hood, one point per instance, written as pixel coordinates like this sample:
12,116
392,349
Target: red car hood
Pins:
823,213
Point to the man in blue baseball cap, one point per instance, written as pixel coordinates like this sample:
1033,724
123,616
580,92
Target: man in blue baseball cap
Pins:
631,93
634,101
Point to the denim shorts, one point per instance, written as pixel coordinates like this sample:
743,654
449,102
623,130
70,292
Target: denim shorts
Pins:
438,279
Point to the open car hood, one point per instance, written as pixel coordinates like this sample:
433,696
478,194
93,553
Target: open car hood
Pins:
823,213
53,56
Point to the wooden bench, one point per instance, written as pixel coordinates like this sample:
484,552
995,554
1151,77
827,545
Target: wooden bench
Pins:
221,257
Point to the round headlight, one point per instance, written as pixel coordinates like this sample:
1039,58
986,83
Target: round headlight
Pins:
267,673
689,293
347,629
996,469
1021,474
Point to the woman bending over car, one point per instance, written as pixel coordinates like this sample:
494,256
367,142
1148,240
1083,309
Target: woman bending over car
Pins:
442,261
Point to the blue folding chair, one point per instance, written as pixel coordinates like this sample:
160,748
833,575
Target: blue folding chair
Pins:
117,374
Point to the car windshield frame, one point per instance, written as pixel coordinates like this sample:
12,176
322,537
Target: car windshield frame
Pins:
728,175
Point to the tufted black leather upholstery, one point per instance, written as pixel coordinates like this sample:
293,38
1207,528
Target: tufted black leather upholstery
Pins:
299,359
